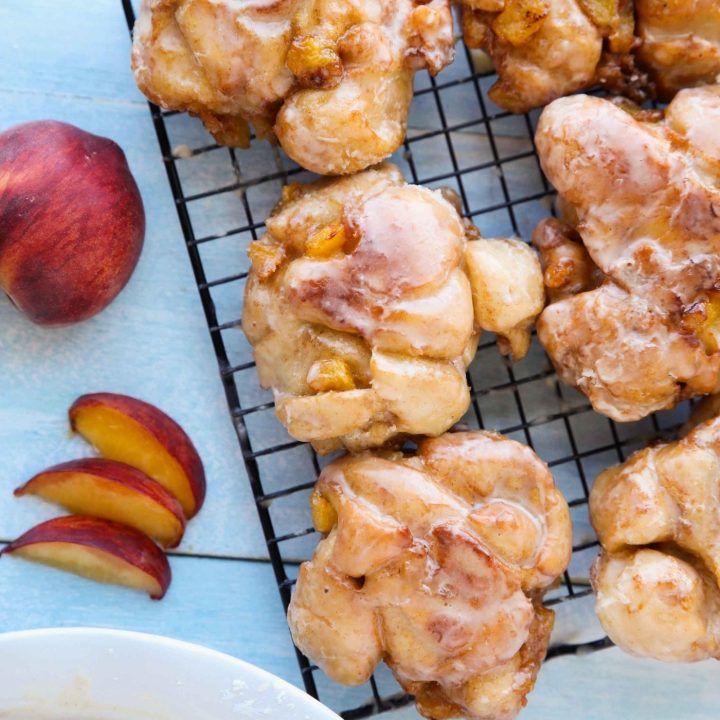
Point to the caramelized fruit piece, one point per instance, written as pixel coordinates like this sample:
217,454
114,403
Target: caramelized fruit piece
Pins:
326,242
327,375
520,20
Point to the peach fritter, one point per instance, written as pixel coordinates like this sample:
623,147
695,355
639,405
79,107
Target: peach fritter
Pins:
364,304
331,80
634,276
657,579
436,562
545,49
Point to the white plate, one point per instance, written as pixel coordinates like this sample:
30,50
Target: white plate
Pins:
78,674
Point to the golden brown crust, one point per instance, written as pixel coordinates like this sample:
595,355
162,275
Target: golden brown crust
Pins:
544,49
634,318
364,305
658,577
640,49
436,563
680,43
332,79
567,267
499,694
507,290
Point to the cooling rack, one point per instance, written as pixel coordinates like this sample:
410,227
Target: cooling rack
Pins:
457,138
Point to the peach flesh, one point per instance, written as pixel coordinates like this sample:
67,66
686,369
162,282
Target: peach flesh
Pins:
113,491
134,432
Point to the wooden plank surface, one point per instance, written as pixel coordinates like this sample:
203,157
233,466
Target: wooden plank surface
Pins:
231,606
610,685
65,47
152,342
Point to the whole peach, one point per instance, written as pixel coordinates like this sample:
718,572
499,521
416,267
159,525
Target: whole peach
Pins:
72,221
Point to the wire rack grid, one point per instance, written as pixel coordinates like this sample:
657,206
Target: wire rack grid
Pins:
458,138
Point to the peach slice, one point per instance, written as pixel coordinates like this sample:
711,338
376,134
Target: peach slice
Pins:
100,550
113,491
134,432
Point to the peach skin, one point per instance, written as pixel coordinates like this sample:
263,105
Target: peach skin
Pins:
72,222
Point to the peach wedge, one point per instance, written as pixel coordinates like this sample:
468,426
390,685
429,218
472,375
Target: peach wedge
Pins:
100,550
128,430
113,491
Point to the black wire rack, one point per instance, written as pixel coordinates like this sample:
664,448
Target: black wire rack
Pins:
459,139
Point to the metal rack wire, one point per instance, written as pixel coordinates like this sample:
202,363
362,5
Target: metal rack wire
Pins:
458,138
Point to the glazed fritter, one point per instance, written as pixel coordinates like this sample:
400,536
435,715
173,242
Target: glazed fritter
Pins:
657,579
545,49
634,318
436,563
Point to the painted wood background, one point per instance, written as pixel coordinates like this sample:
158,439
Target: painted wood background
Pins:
69,61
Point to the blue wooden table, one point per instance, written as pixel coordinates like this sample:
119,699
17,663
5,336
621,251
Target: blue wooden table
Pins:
70,61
